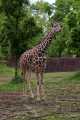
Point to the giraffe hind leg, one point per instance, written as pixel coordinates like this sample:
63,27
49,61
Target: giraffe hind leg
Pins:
24,74
29,84
24,83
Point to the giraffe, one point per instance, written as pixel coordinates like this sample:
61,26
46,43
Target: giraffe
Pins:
35,59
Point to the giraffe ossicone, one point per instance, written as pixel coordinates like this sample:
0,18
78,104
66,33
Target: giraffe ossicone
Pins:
35,58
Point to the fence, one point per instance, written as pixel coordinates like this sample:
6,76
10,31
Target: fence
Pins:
56,64
63,64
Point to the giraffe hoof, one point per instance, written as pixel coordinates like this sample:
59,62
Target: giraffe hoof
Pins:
43,98
32,96
24,95
38,99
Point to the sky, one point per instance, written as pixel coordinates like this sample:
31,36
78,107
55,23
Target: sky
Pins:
50,1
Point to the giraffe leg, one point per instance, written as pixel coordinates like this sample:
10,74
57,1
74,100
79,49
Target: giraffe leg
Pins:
38,86
23,77
42,92
25,74
25,83
29,84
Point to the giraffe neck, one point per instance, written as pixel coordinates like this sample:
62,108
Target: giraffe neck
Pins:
46,41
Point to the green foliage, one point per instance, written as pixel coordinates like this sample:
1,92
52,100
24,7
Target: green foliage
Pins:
68,41
62,7
43,7
35,40
75,41
42,11
13,7
18,28
22,24
72,20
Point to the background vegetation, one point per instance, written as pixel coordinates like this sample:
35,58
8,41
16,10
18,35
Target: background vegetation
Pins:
22,24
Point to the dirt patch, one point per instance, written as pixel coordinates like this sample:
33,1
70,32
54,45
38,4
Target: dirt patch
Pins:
14,106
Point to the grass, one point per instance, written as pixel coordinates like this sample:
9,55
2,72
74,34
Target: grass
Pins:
10,87
51,80
5,70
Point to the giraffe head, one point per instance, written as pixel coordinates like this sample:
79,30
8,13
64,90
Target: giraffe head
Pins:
56,27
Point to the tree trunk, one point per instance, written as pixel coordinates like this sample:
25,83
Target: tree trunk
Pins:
16,66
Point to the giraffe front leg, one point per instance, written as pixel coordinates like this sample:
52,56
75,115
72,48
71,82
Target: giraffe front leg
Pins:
42,91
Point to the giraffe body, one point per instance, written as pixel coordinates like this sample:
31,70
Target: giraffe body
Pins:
32,58
35,59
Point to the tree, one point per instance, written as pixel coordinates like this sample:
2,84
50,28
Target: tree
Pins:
13,11
62,8
68,14
73,21
42,11
18,28
74,45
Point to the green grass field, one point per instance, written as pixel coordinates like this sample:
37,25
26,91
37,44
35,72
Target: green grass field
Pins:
57,79
62,88
5,70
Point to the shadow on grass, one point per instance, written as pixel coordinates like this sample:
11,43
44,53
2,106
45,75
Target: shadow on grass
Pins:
76,76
